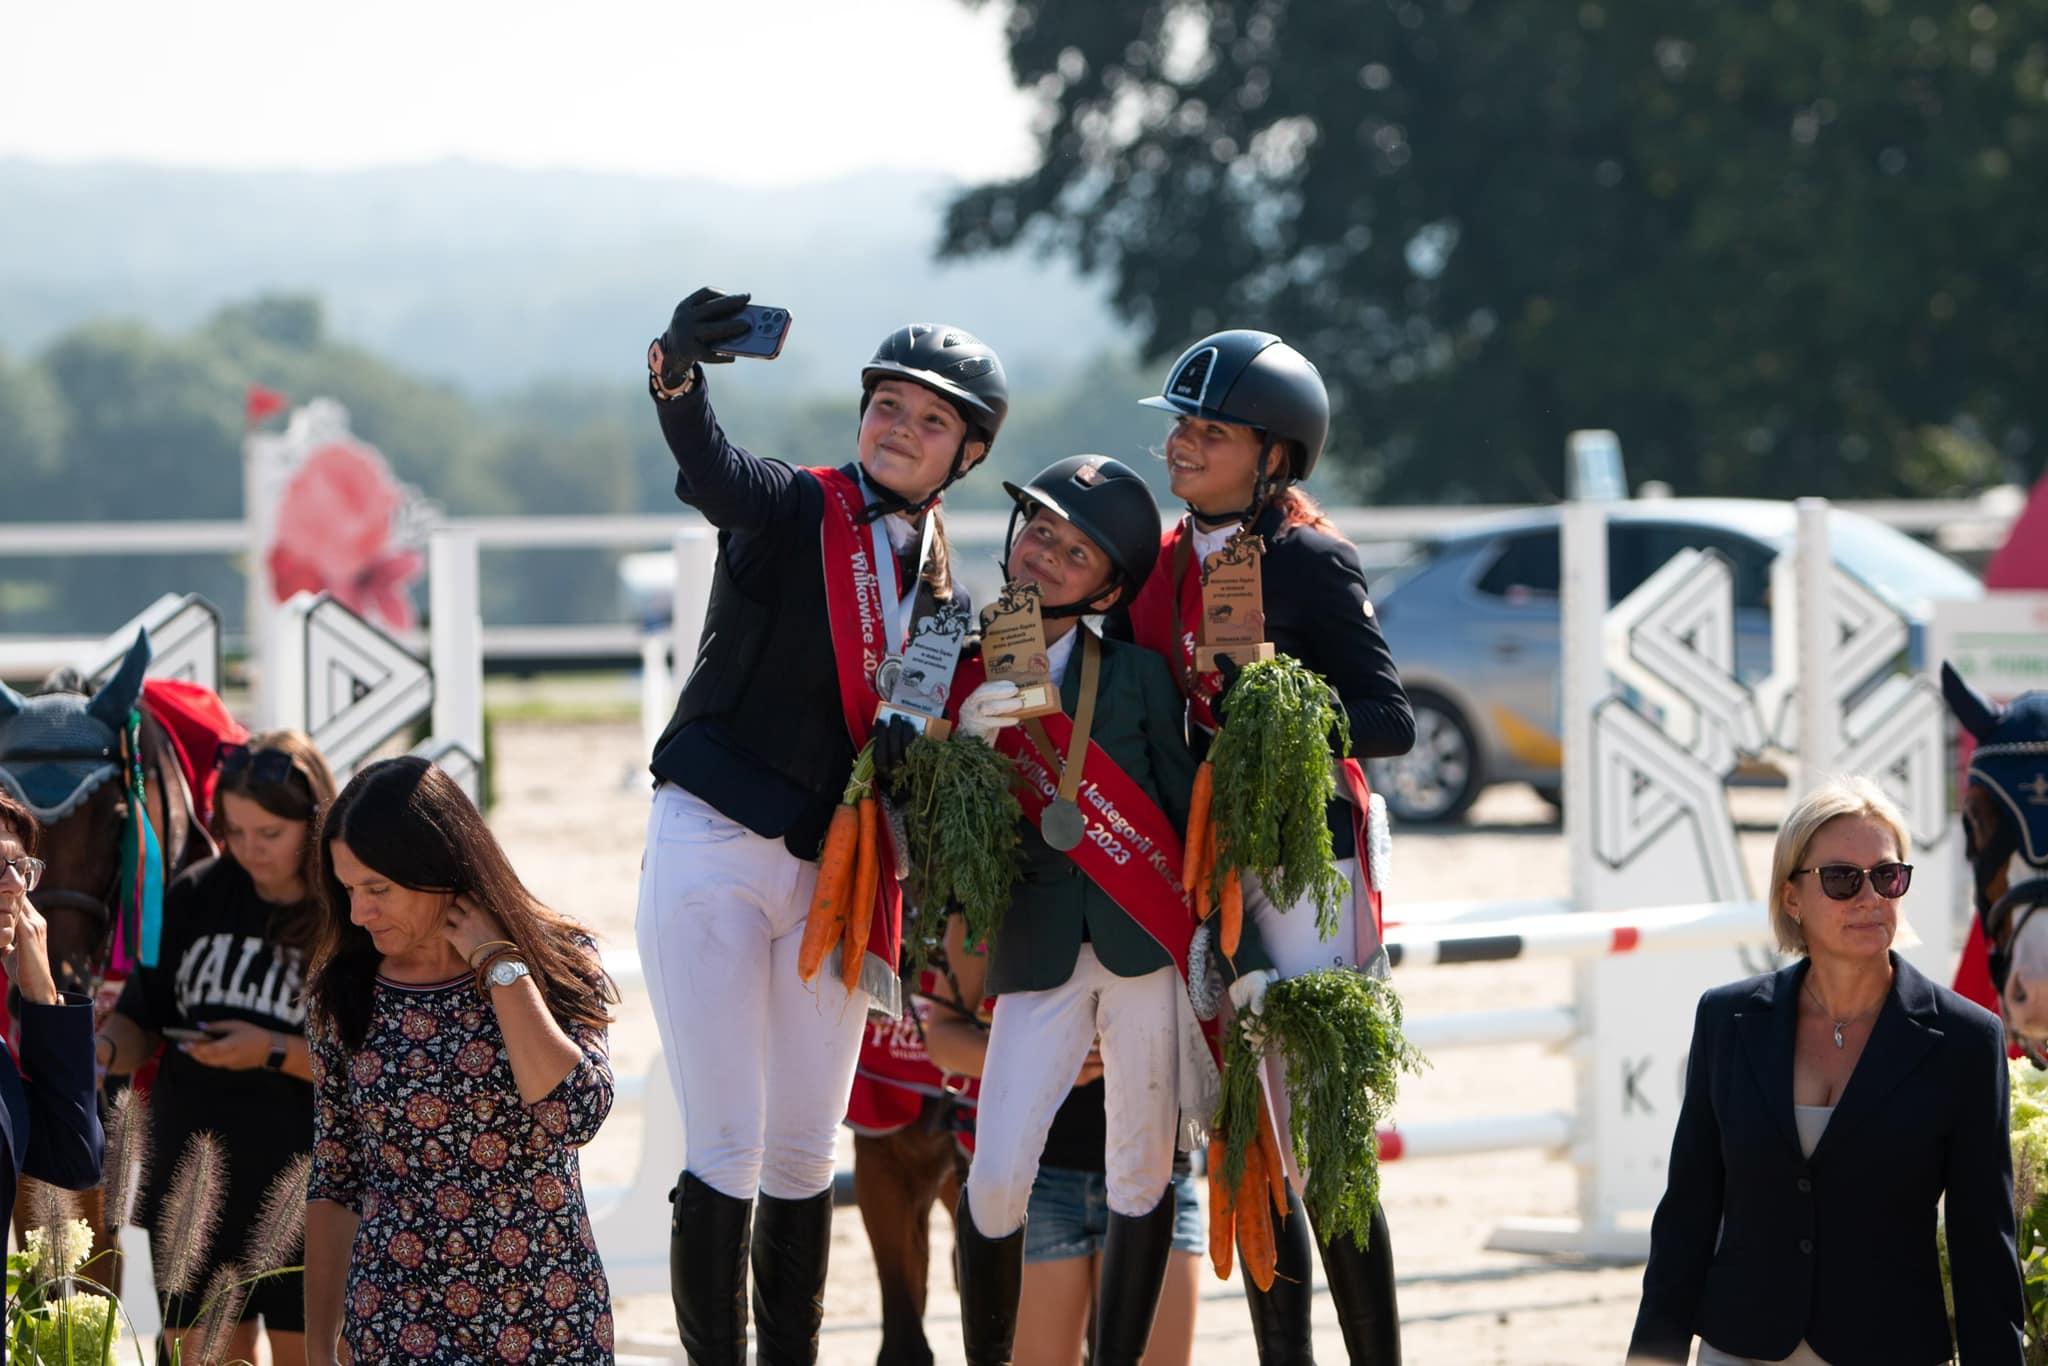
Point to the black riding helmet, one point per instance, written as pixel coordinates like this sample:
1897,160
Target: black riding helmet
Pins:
1255,380
956,366
1105,501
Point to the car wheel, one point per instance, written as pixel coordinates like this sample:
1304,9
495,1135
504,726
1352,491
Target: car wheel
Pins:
1440,776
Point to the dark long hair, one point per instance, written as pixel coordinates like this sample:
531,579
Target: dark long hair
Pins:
301,795
410,822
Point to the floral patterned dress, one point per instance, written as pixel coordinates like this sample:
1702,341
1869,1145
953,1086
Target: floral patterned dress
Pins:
474,1243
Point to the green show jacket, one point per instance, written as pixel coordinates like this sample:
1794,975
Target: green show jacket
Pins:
1141,723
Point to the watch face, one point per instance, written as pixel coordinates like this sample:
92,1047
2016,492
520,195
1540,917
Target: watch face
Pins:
506,973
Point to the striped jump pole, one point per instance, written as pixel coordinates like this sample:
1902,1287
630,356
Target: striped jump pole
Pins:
1582,934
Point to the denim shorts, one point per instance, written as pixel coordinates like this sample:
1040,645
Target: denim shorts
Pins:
1069,1215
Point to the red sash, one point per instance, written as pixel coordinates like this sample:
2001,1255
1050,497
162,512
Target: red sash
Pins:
1131,850
853,606
1152,625
1152,621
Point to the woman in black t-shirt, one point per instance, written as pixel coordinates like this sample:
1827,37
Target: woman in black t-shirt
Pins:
232,966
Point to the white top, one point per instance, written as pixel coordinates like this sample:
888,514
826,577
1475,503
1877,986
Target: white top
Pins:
1207,543
1811,1121
1059,652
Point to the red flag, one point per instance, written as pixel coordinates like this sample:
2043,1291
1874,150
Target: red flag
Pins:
261,403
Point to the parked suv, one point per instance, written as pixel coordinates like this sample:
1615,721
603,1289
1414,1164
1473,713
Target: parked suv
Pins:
1473,625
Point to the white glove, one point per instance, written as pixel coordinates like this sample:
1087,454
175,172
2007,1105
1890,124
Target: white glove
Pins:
1248,992
989,708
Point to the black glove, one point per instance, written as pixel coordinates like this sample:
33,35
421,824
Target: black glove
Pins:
701,321
892,741
1228,667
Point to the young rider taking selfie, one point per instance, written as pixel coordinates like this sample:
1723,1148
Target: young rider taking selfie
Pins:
817,574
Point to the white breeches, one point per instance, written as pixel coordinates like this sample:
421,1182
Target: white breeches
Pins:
762,1063
1036,1047
1294,946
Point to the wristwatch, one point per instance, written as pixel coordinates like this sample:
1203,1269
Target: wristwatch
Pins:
278,1052
505,972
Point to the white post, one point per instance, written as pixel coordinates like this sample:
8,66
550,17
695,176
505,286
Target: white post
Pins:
696,557
286,703
456,646
657,690
1820,724
260,618
1583,662
1582,585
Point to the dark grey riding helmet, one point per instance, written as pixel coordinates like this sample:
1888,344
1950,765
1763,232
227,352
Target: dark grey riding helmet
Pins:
949,362
1108,503
1255,380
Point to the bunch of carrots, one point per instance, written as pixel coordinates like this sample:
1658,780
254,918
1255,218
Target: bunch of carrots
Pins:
1198,877
849,879
1238,1216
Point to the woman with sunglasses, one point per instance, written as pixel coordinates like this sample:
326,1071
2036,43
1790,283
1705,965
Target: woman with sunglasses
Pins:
1828,1106
49,1123
224,1000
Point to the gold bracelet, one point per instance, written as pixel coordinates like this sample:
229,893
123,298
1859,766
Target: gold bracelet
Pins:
489,944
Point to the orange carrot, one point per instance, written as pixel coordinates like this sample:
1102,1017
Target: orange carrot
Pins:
1269,1153
1198,823
1255,1226
1233,914
1205,873
1222,1223
860,912
827,921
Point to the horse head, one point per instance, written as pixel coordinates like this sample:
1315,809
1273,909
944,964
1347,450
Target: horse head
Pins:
2005,828
61,755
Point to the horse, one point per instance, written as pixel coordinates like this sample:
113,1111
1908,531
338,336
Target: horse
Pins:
912,1128
65,755
2005,829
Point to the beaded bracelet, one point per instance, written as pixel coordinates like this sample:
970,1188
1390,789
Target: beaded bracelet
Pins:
489,944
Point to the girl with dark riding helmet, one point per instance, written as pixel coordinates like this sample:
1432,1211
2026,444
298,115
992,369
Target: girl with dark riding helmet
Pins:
1091,950
817,575
1251,415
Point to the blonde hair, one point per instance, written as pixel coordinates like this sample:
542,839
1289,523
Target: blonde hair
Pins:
1849,795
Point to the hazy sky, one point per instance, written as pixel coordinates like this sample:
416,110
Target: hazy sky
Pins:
758,91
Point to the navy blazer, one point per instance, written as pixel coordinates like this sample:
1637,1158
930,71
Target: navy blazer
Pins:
1755,1246
50,1115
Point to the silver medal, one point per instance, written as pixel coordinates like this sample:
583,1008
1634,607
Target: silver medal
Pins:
887,673
1062,824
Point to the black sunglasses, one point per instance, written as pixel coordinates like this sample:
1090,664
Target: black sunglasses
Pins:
1842,880
262,766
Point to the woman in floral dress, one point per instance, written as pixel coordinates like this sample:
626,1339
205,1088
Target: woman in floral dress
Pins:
458,1039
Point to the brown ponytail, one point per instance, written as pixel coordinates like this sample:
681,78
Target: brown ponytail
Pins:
1298,508
938,572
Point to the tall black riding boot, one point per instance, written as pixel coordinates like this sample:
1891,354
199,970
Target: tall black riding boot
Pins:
1362,1285
1280,1316
1134,1254
792,1243
991,1274
707,1272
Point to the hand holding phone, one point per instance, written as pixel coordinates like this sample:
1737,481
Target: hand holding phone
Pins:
180,1034
768,328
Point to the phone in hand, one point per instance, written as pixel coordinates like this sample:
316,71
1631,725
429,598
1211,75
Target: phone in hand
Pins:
768,329
180,1034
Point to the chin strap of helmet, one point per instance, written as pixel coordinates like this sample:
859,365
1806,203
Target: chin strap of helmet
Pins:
888,500
1264,486
1117,581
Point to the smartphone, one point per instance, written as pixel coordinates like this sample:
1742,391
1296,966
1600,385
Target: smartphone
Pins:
180,1034
769,328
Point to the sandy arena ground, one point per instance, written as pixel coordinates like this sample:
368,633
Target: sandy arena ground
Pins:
572,814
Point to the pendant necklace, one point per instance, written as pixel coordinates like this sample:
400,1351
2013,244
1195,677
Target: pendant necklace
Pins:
1839,1025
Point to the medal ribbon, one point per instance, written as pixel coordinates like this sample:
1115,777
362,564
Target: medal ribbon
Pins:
857,612
1159,615
1084,722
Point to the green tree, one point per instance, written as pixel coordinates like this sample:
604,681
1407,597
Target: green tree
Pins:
1781,248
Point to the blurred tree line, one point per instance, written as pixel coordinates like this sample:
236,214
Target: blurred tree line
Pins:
1782,247
114,422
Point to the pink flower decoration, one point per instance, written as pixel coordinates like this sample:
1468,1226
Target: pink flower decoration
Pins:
334,528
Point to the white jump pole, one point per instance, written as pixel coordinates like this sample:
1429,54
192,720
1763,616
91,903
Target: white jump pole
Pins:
1582,582
1819,711
696,558
455,649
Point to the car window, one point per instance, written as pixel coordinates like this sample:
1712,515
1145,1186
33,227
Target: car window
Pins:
1524,566
1636,550
1910,574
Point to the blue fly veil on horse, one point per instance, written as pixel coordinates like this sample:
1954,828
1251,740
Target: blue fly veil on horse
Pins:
2010,766
57,750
